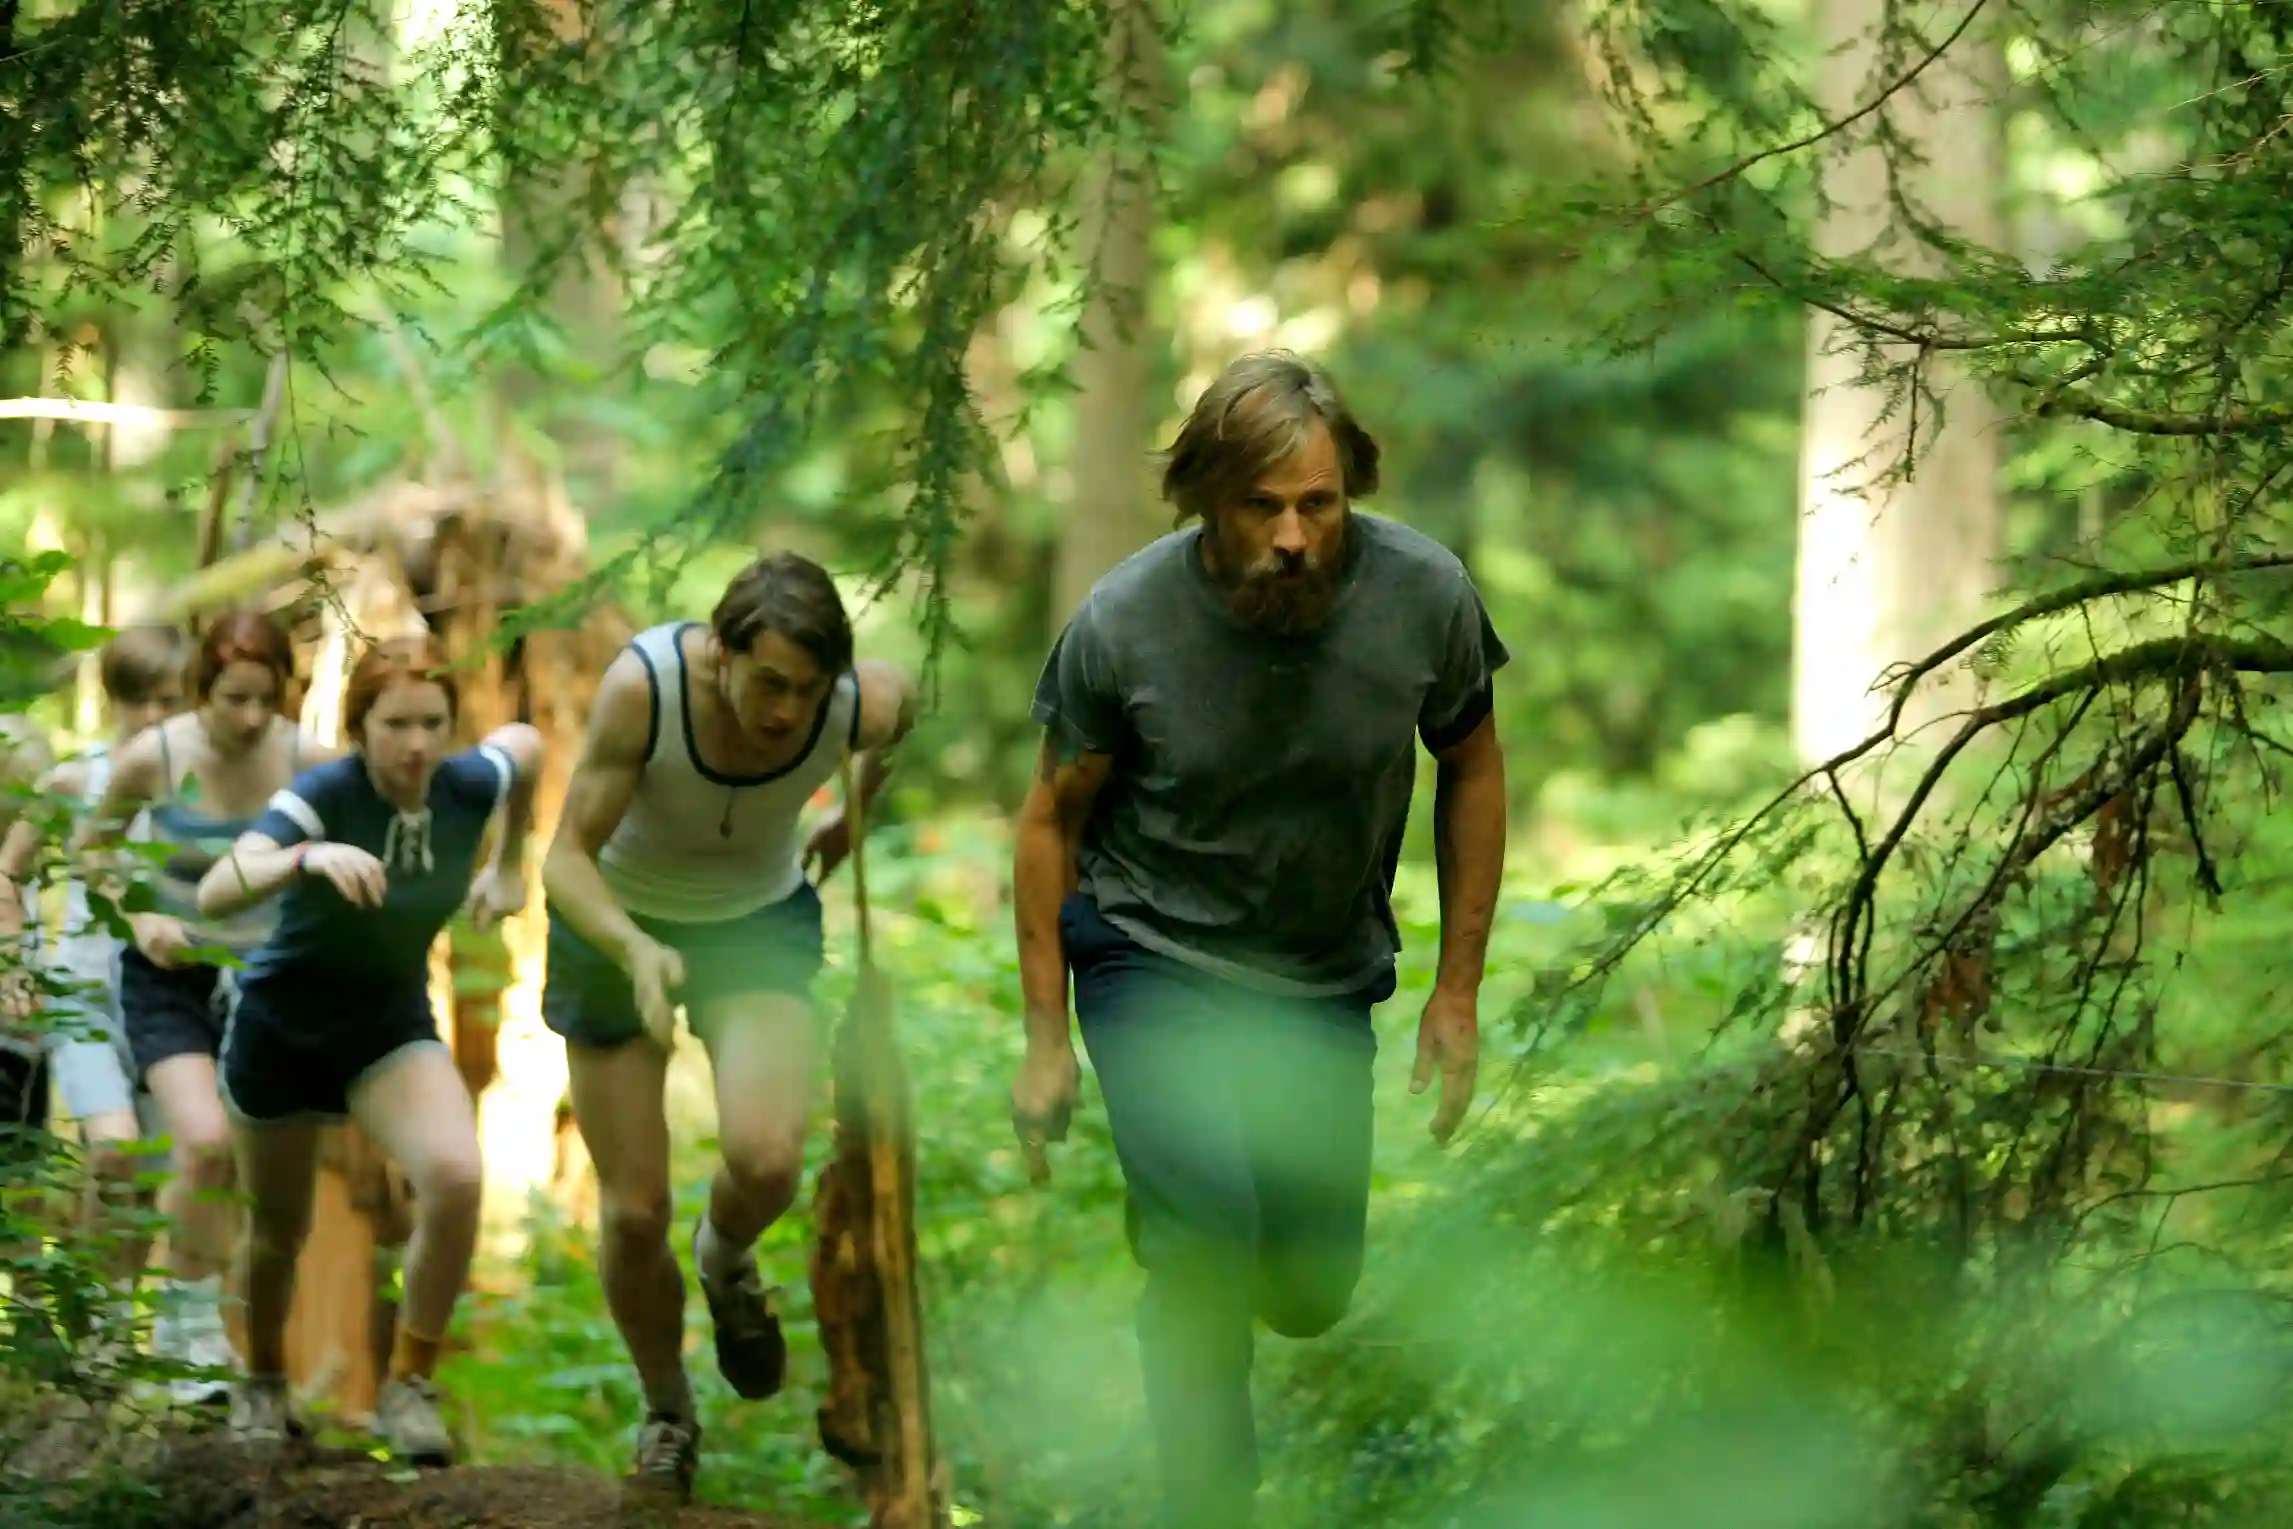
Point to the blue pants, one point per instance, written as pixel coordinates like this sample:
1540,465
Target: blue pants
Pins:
1243,1125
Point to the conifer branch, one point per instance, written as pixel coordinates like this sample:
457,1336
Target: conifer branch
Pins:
2058,401
1904,678
1893,88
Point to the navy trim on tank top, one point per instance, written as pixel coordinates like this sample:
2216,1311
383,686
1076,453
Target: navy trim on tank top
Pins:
693,748
652,699
178,824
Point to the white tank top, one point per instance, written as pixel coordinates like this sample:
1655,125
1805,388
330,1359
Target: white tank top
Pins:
697,846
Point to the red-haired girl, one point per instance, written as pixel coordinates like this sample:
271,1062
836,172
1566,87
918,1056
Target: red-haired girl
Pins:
368,857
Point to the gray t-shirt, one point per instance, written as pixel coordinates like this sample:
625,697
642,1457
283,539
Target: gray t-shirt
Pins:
1253,816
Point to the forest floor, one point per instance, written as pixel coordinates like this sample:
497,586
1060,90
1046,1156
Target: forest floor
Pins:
205,1480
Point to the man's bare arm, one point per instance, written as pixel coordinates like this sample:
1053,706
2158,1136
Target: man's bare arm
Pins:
887,715
1050,825
1469,852
604,779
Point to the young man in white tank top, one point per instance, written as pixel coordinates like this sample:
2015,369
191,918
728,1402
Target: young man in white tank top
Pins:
678,877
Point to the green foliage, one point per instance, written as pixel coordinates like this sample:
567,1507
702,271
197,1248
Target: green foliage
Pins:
34,645
68,1336
1860,1154
829,180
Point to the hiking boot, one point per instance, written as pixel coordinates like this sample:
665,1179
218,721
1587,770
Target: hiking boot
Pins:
668,1453
406,1415
260,1411
752,1354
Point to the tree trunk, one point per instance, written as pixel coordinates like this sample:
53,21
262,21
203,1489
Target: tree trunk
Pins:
543,222
1893,560
1114,372
463,600
1892,566
585,299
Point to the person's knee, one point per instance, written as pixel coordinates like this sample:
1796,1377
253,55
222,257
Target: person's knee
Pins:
1308,1315
451,1188
635,1223
276,1228
1307,1304
203,1160
112,1165
764,1164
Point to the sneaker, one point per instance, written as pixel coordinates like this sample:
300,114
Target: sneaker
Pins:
208,1347
260,1412
668,1453
406,1415
110,1350
752,1354
190,1332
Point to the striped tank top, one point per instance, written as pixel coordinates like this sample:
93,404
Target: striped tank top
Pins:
193,842
698,846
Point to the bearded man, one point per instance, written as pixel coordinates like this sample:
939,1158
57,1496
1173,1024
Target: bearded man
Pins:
1231,722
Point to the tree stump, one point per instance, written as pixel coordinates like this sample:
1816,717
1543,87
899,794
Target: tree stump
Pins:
877,1415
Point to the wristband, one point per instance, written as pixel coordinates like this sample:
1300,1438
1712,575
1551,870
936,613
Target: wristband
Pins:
302,853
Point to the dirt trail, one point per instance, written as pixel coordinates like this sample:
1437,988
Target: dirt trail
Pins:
207,1482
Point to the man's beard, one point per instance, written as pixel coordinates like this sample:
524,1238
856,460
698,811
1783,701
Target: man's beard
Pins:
1283,595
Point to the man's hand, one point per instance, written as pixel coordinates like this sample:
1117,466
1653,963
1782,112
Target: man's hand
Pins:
496,894
655,974
1043,1102
160,938
1448,1040
828,845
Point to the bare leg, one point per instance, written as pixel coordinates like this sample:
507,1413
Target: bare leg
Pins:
113,1166
199,1218
760,1047
415,1107
201,1222
617,1104
279,1166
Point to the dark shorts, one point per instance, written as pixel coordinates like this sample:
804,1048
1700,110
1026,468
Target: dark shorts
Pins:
24,1139
777,949
169,1013
297,1049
